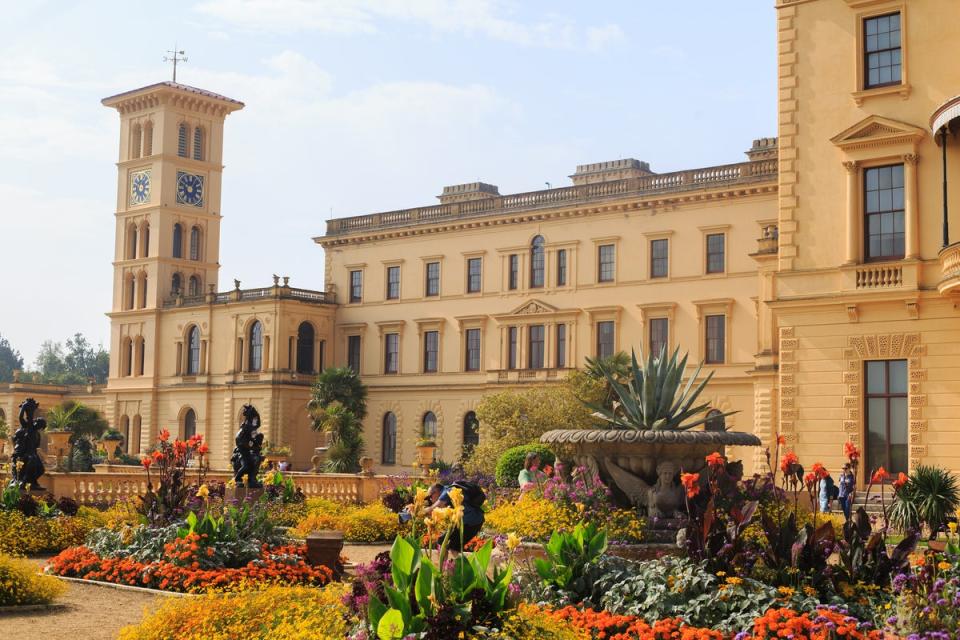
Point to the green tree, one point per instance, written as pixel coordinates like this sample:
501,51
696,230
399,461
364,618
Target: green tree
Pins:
85,424
76,363
338,406
10,359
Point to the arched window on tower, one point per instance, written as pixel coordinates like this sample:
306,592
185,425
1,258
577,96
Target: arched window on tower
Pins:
178,240
176,285
141,355
194,289
256,346
195,243
189,424
182,140
133,443
198,143
136,133
388,440
126,357
536,262
429,427
471,430
131,250
129,292
305,335
193,351
142,290
145,240
715,421
148,139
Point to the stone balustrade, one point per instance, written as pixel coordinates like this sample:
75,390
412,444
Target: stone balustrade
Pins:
950,269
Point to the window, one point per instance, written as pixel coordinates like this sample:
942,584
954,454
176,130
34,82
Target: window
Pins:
474,275
194,289
135,136
131,242
562,268
715,421
189,424
195,243
356,286
148,139
886,415
512,347
388,441
715,253
659,258
472,359
433,279
883,200
429,425
129,294
431,351
561,346
471,430
305,338
605,338
513,281
535,358
178,240
141,356
145,233
193,351
716,339
391,353
659,335
606,267
537,267
182,140
197,143
256,346
882,53
393,283
353,353
176,284
127,357
142,288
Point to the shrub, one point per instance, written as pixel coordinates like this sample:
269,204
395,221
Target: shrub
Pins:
531,517
510,463
928,497
369,523
529,622
20,584
27,535
275,613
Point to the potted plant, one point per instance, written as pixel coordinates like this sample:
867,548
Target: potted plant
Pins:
426,447
109,442
275,453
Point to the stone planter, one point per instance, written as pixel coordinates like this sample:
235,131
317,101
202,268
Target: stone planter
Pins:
110,447
323,549
425,454
58,445
643,467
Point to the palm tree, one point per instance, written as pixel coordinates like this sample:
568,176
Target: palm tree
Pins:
338,406
343,385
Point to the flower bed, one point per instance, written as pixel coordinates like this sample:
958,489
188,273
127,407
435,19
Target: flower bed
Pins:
367,523
20,585
30,535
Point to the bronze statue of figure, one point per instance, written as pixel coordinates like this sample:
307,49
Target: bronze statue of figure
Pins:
27,464
246,456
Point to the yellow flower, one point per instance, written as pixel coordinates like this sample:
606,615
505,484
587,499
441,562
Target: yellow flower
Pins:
952,526
231,483
513,541
846,590
943,566
456,497
203,491
786,592
720,574
734,581
810,591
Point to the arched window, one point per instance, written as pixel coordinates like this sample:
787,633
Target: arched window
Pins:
194,289
133,443
256,346
178,240
140,348
715,421
135,134
148,139
142,291
145,240
305,348
127,358
182,140
198,143
129,294
193,351
189,424
195,243
131,242
429,425
176,284
536,262
471,430
124,429
388,450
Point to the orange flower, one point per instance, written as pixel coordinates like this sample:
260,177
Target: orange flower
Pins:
819,471
850,450
164,435
203,449
146,462
158,455
810,478
781,439
789,459
691,482
715,460
901,480
880,475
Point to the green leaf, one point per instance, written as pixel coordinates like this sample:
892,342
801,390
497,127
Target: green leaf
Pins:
402,556
390,626
463,577
424,588
375,610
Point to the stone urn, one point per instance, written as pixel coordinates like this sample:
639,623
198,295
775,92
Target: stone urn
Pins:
366,466
58,445
425,453
110,446
642,467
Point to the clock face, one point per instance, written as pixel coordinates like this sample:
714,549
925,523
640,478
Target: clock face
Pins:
189,189
140,187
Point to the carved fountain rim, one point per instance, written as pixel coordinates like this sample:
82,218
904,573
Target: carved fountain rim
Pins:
632,436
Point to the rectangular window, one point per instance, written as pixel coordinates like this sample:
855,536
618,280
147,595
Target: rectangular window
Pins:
659,335
659,258
512,347
356,286
514,275
393,283
561,346
474,275
431,351
353,353
391,353
886,415
562,268
716,339
472,359
605,338
716,262
606,267
883,213
883,64
433,279
536,357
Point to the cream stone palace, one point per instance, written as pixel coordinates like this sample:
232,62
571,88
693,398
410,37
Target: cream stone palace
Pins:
818,277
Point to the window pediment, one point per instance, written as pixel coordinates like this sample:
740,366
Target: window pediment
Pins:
535,310
875,131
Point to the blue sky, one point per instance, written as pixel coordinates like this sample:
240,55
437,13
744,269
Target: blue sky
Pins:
353,106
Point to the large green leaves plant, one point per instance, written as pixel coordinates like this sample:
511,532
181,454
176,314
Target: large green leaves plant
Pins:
568,555
929,497
655,397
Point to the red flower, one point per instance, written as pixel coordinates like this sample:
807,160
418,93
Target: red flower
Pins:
789,459
850,450
820,471
158,455
810,478
715,460
203,449
164,435
781,439
880,475
901,480
146,462
691,482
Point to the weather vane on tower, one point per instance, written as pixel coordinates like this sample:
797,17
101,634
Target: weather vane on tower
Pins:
177,56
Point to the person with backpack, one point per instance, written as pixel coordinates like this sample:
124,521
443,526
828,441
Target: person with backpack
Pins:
473,518
828,493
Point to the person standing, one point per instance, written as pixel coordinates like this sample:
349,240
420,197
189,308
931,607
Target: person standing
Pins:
847,489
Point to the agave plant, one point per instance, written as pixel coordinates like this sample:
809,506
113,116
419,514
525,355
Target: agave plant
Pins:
656,397
929,497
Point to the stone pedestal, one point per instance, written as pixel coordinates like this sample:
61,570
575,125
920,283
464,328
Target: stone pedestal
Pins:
241,494
323,549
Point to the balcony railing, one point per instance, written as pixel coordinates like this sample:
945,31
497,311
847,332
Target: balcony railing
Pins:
880,277
950,269
514,376
263,293
743,173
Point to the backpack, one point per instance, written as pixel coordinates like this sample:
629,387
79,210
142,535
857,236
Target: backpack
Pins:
473,495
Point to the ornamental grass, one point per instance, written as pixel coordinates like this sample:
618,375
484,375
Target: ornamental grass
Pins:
274,613
21,585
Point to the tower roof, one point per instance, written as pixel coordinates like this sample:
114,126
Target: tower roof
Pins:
135,97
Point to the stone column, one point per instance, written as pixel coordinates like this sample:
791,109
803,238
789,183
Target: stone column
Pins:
853,212
910,209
